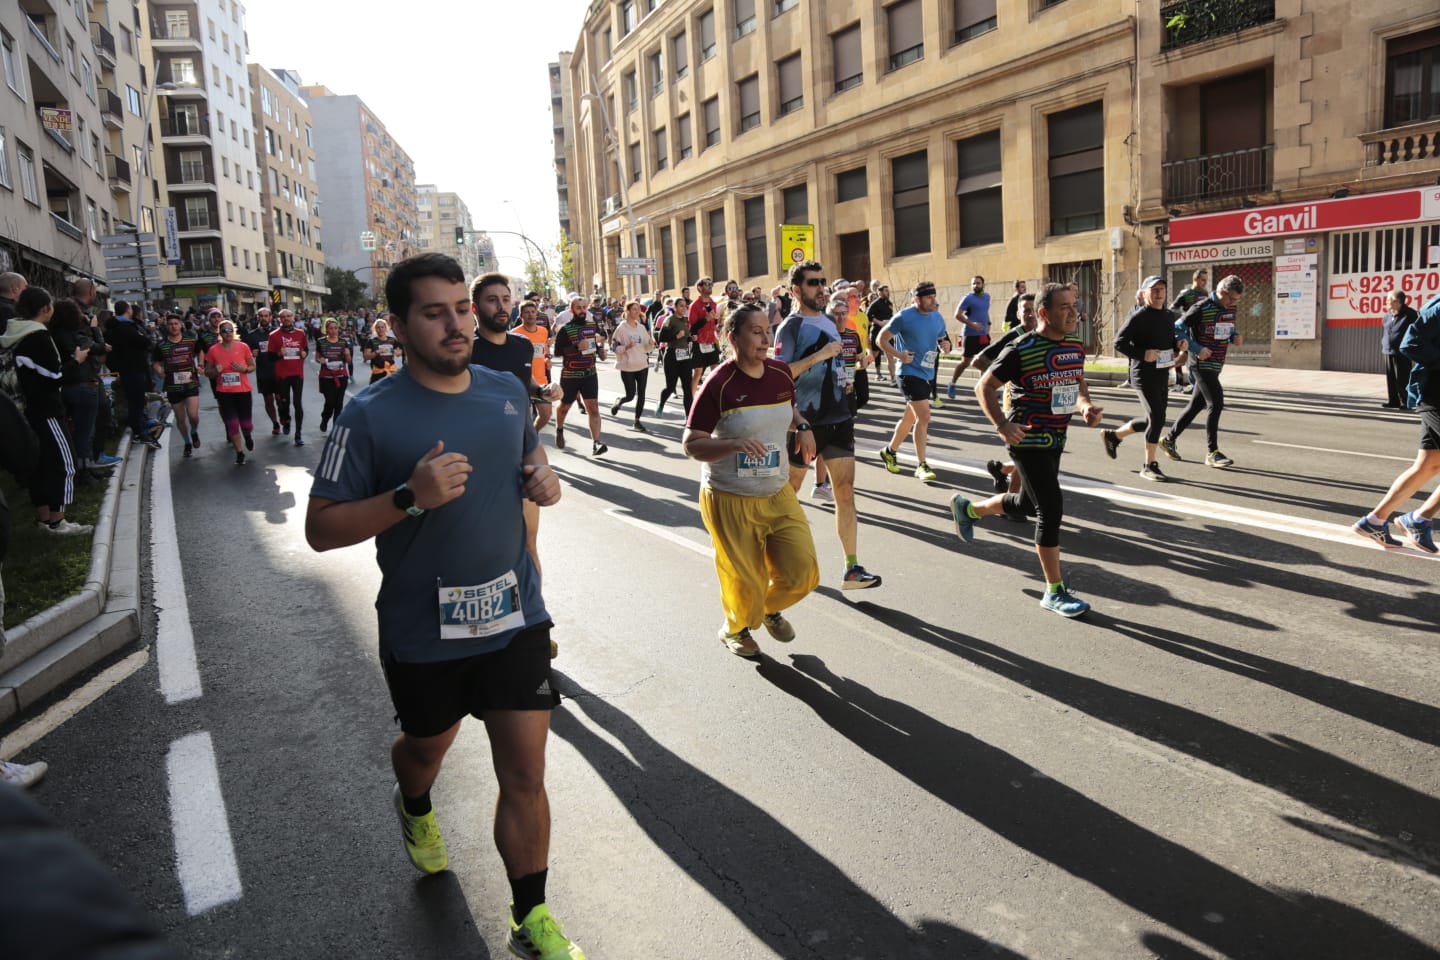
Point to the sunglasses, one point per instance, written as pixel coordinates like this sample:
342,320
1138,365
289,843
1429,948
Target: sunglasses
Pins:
815,281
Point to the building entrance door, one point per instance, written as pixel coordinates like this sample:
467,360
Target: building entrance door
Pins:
855,256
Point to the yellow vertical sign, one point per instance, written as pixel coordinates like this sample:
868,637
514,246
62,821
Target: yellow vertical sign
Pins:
797,243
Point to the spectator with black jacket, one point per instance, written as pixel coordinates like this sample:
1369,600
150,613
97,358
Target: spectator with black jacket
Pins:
1394,324
79,380
130,359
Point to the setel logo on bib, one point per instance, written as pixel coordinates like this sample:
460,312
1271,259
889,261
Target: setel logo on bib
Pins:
480,611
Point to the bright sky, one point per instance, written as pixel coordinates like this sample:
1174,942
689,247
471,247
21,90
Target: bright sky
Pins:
464,88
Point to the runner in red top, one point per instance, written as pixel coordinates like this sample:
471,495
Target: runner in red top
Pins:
229,364
290,347
704,319
333,355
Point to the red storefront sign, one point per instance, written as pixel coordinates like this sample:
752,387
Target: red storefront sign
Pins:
1319,216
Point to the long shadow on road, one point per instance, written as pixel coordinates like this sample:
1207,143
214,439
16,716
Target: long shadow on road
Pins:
1166,881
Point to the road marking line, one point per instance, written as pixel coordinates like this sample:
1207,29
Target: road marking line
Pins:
174,641
1353,453
51,720
204,854
661,532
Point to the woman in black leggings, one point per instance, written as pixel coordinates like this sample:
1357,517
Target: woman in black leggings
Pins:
1148,339
675,337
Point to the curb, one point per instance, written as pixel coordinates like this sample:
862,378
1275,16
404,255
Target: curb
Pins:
53,646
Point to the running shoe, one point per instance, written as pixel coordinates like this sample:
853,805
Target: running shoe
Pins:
1418,532
858,578
189,450
1111,441
741,644
892,463
596,449
823,492
239,458
195,437
1151,471
105,460
615,408
23,775
964,523
778,627
950,390
64,528
249,440
659,407
299,440
421,835
285,427
275,430
937,403
1379,532
923,472
637,425
996,469
1217,459
560,438
324,424
1168,445
1064,602
538,937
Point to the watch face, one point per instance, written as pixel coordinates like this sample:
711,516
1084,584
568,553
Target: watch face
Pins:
404,498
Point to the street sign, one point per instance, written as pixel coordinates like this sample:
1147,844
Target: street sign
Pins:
172,242
797,242
130,275
127,239
635,266
53,118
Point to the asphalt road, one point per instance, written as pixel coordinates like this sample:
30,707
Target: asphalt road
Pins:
1234,754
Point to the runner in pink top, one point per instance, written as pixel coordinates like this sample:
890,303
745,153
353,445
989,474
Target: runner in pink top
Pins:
229,364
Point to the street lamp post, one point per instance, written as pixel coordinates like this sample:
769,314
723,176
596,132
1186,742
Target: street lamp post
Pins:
511,233
147,176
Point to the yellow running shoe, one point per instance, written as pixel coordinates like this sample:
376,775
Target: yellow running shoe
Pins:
538,937
422,838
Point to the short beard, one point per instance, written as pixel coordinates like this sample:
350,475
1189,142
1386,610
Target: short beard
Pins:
497,323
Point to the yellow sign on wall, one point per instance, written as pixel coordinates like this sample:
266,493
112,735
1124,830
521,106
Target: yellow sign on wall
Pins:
797,243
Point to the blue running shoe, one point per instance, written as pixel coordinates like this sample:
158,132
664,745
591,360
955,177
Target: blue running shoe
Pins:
1418,532
105,460
964,523
1065,603
1379,532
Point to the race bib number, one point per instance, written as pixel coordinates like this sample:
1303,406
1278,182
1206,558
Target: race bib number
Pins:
1224,331
768,465
539,350
1064,398
334,364
480,611
587,347
682,354
292,353
1164,359
707,348
183,377
230,379
927,361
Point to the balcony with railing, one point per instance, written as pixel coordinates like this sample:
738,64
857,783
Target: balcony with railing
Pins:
185,125
1185,22
1219,176
612,205
1399,147
104,42
166,37
117,171
189,174
112,109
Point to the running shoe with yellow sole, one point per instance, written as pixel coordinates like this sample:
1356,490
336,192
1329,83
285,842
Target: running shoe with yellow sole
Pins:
538,937
423,843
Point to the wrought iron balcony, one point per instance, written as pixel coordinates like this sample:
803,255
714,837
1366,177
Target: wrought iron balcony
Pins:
104,43
117,170
1184,22
1407,144
185,125
112,109
1218,175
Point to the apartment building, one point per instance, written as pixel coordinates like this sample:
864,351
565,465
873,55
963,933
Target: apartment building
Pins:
57,114
445,227
368,181
1295,143
922,139
561,94
210,178
285,151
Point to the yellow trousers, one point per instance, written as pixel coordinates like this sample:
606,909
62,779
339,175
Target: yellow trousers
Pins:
764,553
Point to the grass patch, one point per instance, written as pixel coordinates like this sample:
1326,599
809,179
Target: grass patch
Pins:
42,569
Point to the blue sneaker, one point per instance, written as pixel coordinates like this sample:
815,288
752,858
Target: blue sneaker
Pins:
1418,532
964,523
1379,532
1064,602
950,391
105,460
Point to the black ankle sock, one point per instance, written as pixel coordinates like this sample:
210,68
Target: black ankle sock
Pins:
416,806
528,893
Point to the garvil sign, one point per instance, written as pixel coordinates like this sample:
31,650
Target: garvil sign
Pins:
1320,216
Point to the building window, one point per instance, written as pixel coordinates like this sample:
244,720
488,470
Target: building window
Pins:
910,188
849,69
796,203
667,258
229,211
1412,78
10,59
973,17
711,108
197,213
177,24
851,185
5,160
715,227
692,252
744,17
792,91
780,6
182,71
749,90
92,219
756,257
707,35
904,27
682,133
679,55
1077,169
127,42
70,60
656,64
662,149
224,166
982,214
635,163
133,102
627,16
631,86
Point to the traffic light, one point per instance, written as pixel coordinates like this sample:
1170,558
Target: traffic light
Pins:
482,263
460,236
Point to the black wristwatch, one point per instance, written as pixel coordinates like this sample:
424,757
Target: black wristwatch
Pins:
802,428
404,498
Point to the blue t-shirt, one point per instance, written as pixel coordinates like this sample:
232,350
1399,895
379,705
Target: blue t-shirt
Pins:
464,563
819,391
977,309
919,333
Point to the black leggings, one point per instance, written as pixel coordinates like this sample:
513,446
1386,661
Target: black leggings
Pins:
634,381
676,370
1153,387
861,396
333,390
1039,495
1208,393
235,410
287,388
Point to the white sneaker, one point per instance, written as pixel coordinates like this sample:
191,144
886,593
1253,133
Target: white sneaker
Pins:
823,492
65,528
23,775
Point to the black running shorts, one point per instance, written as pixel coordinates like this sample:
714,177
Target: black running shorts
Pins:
916,388
587,387
1429,427
974,345
430,698
833,441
